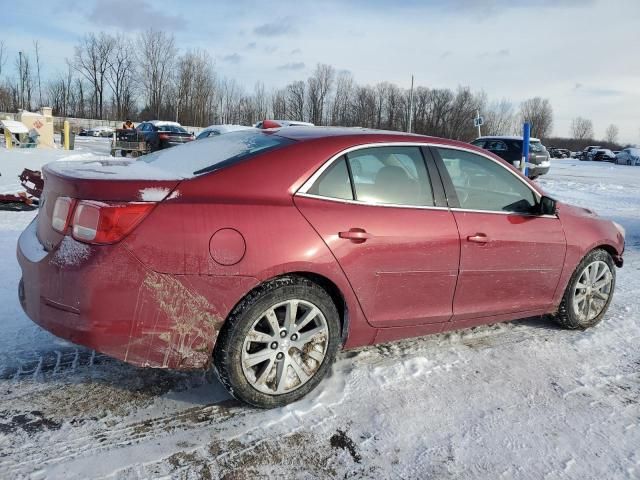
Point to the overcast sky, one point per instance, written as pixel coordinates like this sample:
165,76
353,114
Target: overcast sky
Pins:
582,55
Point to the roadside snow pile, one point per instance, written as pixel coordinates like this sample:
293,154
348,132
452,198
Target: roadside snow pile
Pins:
15,160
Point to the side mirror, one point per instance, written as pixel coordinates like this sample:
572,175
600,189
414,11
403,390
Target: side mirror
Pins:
547,206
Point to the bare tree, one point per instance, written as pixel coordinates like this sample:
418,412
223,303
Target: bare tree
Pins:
279,103
3,57
119,75
341,108
581,128
499,118
25,81
611,134
92,60
318,87
538,112
296,100
157,51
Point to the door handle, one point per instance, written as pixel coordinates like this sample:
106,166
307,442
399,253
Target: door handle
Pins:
356,235
478,238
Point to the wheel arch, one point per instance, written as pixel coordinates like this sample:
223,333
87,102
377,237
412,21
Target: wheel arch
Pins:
323,281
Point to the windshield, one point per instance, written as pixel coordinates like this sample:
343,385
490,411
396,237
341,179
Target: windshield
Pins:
536,147
214,152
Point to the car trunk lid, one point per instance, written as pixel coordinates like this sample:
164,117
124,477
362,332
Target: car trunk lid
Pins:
112,181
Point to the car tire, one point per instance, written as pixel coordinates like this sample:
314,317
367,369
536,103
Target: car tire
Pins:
289,370
595,267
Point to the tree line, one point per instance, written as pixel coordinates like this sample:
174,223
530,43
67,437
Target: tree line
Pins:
113,77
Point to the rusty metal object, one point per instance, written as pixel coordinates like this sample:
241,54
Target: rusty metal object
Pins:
32,182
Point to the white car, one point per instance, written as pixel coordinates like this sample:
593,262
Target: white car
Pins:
287,123
629,156
213,130
100,132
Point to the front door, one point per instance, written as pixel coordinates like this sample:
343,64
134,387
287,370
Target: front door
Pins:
511,258
375,209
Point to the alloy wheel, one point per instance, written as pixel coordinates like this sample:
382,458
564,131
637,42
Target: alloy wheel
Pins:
591,292
285,347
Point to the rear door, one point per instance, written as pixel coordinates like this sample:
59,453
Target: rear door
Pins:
382,213
511,258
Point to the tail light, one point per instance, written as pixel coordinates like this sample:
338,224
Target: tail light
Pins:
104,223
163,136
61,214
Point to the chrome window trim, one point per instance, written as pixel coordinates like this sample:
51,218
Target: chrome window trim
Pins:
311,180
368,204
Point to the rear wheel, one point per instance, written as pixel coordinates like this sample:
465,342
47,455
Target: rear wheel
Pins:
278,343
589,292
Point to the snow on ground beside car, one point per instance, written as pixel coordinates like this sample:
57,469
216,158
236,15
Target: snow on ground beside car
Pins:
517,400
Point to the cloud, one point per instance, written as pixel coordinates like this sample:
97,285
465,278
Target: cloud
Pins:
233,58
138,15
503,52
270,48
276,28
251,45
295,51
445,54
292,66
596,91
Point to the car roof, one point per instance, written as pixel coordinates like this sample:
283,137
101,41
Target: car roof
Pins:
359,135
506,137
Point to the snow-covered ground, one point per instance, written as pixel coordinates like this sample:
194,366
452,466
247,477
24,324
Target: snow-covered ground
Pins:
517,400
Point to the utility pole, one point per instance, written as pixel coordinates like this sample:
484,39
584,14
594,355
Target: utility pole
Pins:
21,82
410,106
478,117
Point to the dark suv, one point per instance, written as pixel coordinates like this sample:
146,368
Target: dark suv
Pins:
510,149
161,135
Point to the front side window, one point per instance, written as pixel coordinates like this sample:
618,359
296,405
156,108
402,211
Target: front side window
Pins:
390,175
483,184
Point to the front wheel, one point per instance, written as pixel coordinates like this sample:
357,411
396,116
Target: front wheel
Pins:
589,292
278,343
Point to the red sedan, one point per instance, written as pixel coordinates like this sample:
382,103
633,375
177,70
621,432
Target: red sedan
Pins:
264,252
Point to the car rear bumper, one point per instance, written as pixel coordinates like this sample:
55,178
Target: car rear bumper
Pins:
104,298
535,170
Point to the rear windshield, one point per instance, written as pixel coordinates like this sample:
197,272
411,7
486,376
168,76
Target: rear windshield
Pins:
171,129
212,153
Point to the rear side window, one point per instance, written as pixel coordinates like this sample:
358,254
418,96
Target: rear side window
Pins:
212,153
391,175
496,146
334,182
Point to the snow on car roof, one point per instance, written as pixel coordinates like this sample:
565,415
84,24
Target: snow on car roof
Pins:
225,128
164,123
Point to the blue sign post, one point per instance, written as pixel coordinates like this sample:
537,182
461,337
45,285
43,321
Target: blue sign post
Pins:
526,135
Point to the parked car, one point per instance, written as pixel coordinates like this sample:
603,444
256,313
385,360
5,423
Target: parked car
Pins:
161,134
100,132
587,153
83,132
510,149
629,156
559,152
213,130
603,155
265,252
